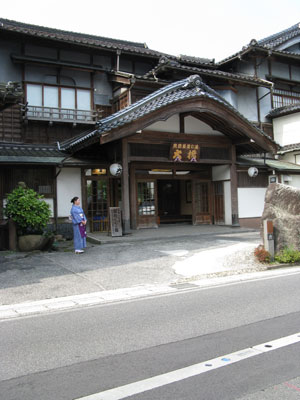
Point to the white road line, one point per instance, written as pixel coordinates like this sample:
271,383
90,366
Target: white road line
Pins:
174,376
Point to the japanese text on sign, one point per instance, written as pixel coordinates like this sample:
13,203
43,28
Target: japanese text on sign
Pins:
185,152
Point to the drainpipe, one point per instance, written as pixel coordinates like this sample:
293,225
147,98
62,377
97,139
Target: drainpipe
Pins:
129,90
118,59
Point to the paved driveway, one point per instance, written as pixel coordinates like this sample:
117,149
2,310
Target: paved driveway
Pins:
154,258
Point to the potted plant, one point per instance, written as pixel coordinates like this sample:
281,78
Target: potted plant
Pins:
31,214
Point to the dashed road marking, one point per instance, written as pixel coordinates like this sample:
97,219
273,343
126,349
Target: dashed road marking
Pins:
193,370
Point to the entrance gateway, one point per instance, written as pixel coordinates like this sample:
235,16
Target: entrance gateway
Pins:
165,195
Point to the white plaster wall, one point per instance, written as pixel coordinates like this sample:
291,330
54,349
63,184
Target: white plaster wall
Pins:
291,180
246,68
251,202
290,157
195,126
51,204
221,173
227,201
247,103
265,103
229,95
281,70
68,186
287,129
170,125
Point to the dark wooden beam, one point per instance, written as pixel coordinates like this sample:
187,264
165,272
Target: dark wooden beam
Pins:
234,191
125,188
181,123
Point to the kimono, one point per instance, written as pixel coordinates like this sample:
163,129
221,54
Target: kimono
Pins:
78,216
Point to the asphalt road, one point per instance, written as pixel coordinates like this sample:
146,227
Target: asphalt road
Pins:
73,354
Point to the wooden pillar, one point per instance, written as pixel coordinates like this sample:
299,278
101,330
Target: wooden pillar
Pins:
125,188
133,199
181,123
12,232
234,190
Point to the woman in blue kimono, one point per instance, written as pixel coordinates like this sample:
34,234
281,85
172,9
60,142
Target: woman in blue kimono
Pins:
79,225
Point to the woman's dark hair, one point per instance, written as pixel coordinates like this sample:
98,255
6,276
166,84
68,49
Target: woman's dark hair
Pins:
74,199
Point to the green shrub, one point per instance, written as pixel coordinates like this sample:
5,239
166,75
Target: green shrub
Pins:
287,255
28,210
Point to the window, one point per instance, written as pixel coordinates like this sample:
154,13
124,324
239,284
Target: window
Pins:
58,97
56,102
35,95
283,98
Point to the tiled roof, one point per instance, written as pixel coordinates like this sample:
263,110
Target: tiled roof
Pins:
14,153
270,43
196,60
191,87
77,38
253,46
275,40
94,41
280,111
207,72
30,153
289,148
269,163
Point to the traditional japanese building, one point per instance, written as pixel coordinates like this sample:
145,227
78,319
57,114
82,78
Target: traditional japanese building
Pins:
167,139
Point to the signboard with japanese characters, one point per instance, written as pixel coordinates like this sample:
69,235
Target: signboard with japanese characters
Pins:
115,221
185,152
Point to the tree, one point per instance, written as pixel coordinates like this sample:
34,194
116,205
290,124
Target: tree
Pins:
28,209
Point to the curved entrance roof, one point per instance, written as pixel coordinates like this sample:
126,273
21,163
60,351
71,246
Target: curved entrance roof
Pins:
190,96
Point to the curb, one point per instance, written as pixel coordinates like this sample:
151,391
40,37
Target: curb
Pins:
13,311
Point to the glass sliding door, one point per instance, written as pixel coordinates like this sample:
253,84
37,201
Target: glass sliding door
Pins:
201,203
97,205
219,212
146,204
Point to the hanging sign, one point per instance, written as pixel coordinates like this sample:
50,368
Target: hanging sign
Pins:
115,221
185,152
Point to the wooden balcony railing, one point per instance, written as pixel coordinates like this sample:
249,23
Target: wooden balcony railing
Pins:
61,114
283,98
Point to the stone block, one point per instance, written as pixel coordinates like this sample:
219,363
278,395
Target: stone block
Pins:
282,206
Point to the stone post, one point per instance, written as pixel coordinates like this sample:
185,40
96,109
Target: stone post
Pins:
268,236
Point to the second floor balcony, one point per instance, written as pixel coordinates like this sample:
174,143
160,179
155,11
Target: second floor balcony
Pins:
55,114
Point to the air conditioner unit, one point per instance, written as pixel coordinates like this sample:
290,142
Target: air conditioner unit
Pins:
273,179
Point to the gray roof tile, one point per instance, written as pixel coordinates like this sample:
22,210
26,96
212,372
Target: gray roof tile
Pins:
77,38
280,111
275,40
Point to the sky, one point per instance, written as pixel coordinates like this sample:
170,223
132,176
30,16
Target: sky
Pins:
213,29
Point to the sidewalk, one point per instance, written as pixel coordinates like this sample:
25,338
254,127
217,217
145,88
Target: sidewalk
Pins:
144,263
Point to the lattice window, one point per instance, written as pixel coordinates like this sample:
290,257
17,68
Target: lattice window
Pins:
39,179
283,98
146,199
